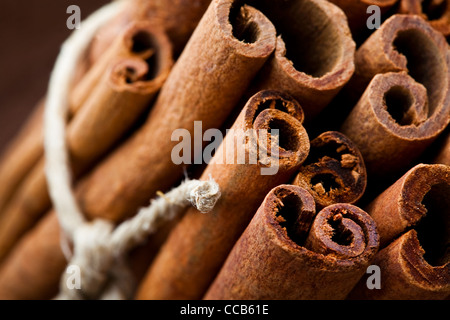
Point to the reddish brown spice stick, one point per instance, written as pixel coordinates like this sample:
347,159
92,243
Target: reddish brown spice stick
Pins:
414,264
123,93
334,171
21,155
405,274
135,40
178,18
390,123
393,48
133,174
399,115
206,240
314,55
287,253
401,206
437,12
207,81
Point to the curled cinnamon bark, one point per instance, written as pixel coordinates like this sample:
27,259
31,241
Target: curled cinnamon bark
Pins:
314,56
334,171
405,274
399,115
287,253
394,48
401,206
206,240
437,12
225,51
390,123
118,99
417,264
137,40
178,18
134,172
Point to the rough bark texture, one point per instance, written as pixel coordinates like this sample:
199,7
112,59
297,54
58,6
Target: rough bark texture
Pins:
195,90
314,55
123,93
405,275
206,240
283,254
437,12
399,115
414,263
334,171
178,18
401,206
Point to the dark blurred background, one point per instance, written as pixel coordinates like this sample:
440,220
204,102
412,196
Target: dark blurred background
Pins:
31,32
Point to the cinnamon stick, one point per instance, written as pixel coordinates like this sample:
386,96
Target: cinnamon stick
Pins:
178,18
401,206
134,172
334,171
287,252
314,56
437,12
135,40
23,152
401,117
119,98
206,240
393,48
214,58
415,263
405,274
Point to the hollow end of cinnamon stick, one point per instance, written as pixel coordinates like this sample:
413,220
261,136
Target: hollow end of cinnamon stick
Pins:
393,48
394,122
314,56
140,39
334,171
288,252
209,238
270,110
148,43
405,273
404,205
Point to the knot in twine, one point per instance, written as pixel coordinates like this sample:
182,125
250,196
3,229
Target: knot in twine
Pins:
99,247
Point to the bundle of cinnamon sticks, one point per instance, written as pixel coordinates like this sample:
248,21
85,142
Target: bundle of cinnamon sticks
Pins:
357,123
